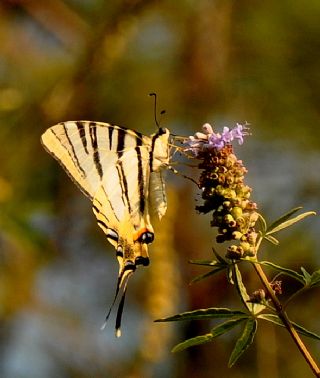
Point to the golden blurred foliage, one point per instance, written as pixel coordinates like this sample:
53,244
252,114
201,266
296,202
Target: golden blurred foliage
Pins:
209,61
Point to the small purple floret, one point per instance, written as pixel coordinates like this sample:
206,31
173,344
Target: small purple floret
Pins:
209,140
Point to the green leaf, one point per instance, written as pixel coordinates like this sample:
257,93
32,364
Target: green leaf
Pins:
272,318
315,279
241,288
282,219
271,239
230,274
263,224
215,332
192,341
286,271
205,275
311,280
218,265
227,326
306,275
208,313
219,258
276,320
244,341
254,308
220,262
289,222
204,262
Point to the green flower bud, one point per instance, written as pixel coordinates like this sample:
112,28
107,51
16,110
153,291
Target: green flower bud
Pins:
236,212
237,235
245,246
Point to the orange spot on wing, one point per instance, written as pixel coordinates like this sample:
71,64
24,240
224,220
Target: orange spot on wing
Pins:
138,234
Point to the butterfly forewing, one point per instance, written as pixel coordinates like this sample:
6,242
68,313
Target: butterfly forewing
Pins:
86,149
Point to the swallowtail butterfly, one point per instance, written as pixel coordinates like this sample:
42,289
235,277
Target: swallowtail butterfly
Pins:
120,171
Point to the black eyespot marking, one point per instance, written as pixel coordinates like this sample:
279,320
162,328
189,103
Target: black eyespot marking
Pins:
146,237
140,260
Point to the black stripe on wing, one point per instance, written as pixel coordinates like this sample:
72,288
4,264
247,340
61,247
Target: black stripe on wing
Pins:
124,185
72,154
98,213
65,167
121,146
111,128
82,134
140,181
94,143
120,142
110,133
97,210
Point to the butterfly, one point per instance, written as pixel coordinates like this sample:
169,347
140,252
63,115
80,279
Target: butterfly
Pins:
120,170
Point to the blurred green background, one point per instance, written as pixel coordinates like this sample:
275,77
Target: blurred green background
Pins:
220,62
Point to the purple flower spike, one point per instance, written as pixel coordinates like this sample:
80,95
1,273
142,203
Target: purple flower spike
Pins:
209,140
224,192
216,141
239,132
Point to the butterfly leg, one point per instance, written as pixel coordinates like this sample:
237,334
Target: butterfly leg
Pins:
170,167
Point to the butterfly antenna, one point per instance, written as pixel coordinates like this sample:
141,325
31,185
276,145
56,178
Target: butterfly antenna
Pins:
155,109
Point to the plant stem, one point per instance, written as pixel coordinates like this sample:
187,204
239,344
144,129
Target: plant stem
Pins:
286,321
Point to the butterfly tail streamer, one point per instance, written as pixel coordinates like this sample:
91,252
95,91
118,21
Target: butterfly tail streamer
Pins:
121,284
124,278
112,304
119,313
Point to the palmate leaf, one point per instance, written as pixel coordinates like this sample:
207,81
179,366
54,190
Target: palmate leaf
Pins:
237,279
306,275
282,219
208,274
219,258
254,308
286,271
276,320
197,340
204,262
208,313
315,279
263,224
311,280
271,239
244,341
218,265
286,220
219,262
215,332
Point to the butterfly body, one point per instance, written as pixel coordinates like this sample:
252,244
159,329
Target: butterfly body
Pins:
120,171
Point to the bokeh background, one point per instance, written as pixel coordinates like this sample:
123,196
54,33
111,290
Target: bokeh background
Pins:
209,61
